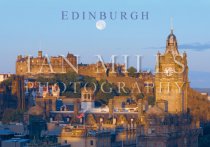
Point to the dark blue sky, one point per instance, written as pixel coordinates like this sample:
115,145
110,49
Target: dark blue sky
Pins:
28,26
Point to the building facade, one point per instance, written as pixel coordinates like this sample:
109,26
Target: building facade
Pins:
171,78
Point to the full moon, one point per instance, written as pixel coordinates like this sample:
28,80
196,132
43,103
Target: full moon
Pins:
100,25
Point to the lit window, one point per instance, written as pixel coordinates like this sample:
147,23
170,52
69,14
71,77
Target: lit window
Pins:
91,142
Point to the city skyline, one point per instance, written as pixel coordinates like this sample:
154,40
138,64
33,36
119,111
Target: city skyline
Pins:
28,27
104,73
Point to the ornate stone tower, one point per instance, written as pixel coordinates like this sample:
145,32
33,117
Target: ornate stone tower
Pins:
171,78
87,99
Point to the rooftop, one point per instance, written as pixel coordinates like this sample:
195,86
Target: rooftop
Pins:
17,140
6,132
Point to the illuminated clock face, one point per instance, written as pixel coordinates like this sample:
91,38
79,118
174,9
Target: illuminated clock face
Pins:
169,71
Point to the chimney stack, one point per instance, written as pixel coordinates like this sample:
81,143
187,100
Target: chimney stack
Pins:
40,54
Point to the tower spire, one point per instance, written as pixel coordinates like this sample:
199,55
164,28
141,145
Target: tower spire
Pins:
171,44
172,25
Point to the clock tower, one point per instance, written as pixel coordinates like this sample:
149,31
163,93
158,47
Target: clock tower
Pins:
171,78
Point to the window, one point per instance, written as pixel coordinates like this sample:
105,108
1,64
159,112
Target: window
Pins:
91,142
153,131
67,130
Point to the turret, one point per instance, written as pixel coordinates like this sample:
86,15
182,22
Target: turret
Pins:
87,99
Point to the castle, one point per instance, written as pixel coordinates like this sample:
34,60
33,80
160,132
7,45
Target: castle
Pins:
43,65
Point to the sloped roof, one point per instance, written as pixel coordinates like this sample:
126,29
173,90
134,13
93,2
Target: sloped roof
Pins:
35,110
156,111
